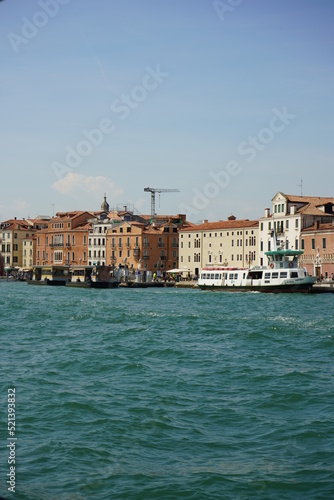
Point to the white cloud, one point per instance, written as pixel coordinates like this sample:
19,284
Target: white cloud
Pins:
75,185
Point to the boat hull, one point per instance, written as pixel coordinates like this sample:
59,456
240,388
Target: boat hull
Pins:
296,288
104,284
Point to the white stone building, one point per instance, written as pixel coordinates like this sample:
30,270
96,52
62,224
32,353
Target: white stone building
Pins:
223,243
289,216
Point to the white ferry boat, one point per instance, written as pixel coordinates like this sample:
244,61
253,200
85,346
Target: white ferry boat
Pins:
281,275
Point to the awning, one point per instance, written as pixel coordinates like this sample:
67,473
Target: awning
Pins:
179,270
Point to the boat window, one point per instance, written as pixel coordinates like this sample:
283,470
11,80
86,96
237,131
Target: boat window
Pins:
216,276
220,276
255,275
283,275
266,276
294,274
212,276
230,277
274,275
203,276
236,276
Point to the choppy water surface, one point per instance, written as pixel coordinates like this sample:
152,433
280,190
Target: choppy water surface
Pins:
167,394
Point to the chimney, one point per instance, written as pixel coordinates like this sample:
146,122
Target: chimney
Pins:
267,212
316,224
124,208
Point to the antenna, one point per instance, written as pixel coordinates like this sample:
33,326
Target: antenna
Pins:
301,187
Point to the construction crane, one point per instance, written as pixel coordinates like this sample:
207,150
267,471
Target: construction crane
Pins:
157,190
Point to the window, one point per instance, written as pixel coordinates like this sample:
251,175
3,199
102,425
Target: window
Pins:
296,245
73,239
287,224
261,227
296,224
303,244
324,243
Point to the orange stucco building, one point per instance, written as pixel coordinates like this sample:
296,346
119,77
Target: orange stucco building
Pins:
65,240
147,245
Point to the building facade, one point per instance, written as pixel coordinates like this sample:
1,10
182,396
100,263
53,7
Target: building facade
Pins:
65,240
230,243
289,217
317,242
13,234
146,245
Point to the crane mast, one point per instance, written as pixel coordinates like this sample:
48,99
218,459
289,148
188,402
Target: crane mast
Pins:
158,190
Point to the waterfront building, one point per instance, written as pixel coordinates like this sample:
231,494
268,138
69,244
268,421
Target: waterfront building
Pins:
14,233
289,217
231,243
28,252
146,243
65,240
317,242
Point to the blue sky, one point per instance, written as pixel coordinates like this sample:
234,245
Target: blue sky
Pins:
228,101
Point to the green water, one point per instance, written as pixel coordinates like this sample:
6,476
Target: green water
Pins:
167,394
